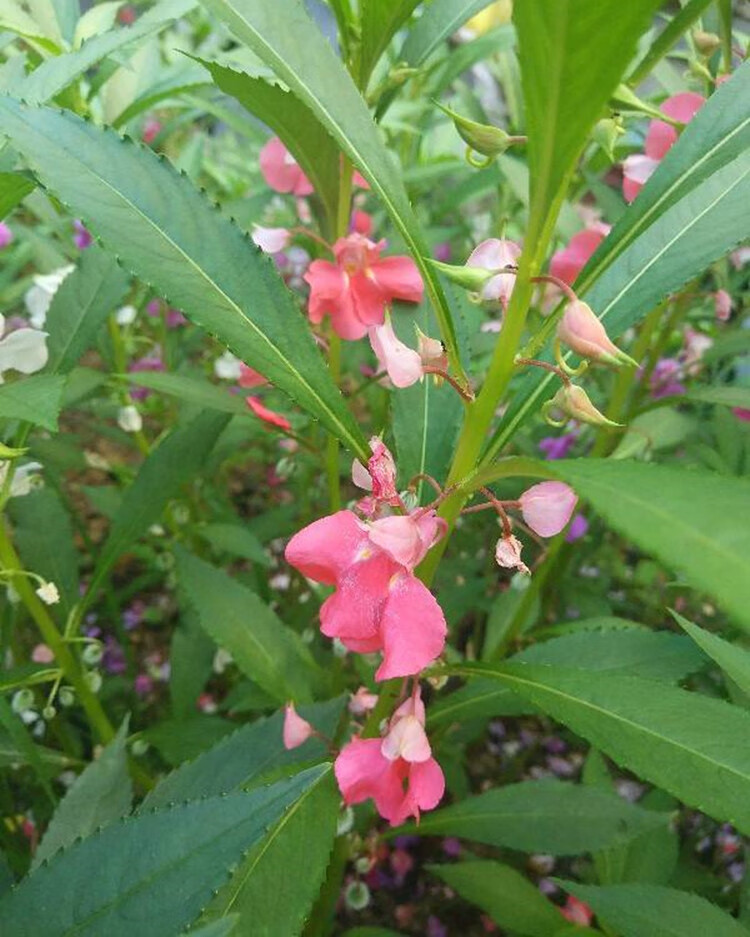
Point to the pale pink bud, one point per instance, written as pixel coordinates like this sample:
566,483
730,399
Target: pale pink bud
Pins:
296,729
575,403
584,333
362,701
723,305
271,240
403,364
547,507
508,554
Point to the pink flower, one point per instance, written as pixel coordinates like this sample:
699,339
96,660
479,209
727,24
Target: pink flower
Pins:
268,416
82,236
361,222
151,130
6,235
742,414
494,254
660,139
380,475
723,305
296,729
42,654
547,507
585,334
567,263
578,912
406,737
508,554
281,170
403,364
355,289
578,528
362,701
271,240
377,605
249,377
407,538
359,180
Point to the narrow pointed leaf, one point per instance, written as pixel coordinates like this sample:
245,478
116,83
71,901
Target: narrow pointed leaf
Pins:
733,660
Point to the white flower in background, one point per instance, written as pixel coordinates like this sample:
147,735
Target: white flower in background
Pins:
23,350
222,660
125,315
227,367
271,240
48,593
39,296
25,479
129,419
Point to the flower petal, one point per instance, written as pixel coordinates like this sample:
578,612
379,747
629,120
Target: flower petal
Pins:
324,549
413,629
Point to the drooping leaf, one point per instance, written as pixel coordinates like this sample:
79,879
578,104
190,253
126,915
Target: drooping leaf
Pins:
151,874
282,34
36,399
507,896
277,882
80,307
733,660
655,911
541,816
100,795
689,745
167,233
168,467
265,649
244,757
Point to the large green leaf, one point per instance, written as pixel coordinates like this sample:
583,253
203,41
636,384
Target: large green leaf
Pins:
567,80
36,399
150,875
690,745
541,816
282,34
244,758
733,660
80,307
168,467
265,649
655,911
507,896
100,795
169,235
276,884
694,521
303,134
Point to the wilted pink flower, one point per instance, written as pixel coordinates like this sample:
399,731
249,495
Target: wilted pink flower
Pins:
584,334
508,554
362,701
355,289
567,263
6,235
378,605
151,130
578,912
296,729
723,305
268,416
380,475
271,240
661,137
578,528
249,377
495,254
281,170
547,507
82,236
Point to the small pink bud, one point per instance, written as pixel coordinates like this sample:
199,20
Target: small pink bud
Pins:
296,729
508,554
574,402
547,507
584,333
42,654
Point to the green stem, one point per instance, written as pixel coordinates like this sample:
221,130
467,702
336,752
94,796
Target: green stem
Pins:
53,639
332,446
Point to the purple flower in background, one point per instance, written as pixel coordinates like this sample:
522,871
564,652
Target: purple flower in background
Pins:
451,847
557,447
578,528
150,362
6,236
175,318
143,684
82,236
133,616
664,379
113,659
435,927
442,252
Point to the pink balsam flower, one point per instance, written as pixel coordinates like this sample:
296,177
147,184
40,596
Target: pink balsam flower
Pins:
567,263
296,729
379,477
547,507
356,289
268,416
583,332
495,254
281,170
271,240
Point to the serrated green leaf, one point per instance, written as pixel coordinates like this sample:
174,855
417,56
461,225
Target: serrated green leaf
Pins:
14,187
101,794
540,816
733,660
276,884
167,233
264,648
249,754
689,745
168,467
507,896
282,34
151,874
655,911
80,307
36,399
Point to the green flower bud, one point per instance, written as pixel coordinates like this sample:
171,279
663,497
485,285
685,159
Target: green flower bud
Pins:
482,138
470,278
574,402
66,696
606,134
92,654
706,43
